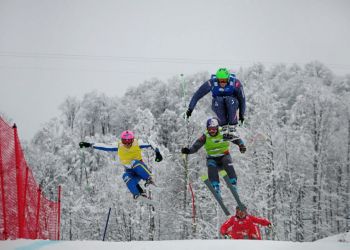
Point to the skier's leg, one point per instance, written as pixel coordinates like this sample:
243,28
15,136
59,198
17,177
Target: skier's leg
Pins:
228,167
142,192
131,181
231,104
218,106
141,170
213,175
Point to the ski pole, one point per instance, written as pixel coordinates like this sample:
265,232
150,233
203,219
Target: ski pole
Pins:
184,92
104,234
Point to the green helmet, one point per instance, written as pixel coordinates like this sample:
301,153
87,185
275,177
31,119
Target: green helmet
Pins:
222,73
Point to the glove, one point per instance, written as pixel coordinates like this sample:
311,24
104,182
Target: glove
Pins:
226,236
242,148
188,113
185,151
84,144
159,156
241,119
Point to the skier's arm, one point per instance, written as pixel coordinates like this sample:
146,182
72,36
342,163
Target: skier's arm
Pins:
241,98
99,146
227,224
238,141
145,145
195,147
105,147
198,144
159,156
261,221
202,91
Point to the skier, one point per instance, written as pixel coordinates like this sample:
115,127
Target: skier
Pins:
228,96
218,155
129,153
243,226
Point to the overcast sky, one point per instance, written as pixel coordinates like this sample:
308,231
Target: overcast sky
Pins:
57,48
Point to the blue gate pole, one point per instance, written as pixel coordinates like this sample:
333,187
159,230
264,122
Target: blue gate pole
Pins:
104,234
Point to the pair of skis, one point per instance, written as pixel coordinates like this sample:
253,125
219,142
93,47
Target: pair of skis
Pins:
217,197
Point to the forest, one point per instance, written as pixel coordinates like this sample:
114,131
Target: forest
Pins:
296,171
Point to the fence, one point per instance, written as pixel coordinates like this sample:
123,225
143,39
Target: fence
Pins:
24,211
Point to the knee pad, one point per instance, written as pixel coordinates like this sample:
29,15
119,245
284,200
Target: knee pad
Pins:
233,181
216,186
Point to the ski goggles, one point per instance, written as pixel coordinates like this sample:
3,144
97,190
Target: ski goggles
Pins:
223,80
240,213
127,141
212,129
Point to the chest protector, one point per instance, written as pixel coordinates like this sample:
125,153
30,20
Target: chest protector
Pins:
127,155
228,90
215,145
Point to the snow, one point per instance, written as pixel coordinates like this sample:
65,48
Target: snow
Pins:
345,237
330,243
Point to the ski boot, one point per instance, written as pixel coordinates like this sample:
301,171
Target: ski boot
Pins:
232,130
141,192
149,181
229,133
225,132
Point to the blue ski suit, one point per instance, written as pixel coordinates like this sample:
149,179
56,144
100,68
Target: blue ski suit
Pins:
131,159
226,100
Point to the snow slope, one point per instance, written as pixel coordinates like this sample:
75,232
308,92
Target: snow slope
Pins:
331,243
345,237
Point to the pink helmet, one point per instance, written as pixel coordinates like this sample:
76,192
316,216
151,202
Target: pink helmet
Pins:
127,137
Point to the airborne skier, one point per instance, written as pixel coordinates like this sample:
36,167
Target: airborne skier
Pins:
228,96
218,155
129,153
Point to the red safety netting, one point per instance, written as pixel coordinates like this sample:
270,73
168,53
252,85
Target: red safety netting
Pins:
24,211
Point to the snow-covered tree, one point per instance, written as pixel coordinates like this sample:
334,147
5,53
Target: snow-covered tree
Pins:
295,171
